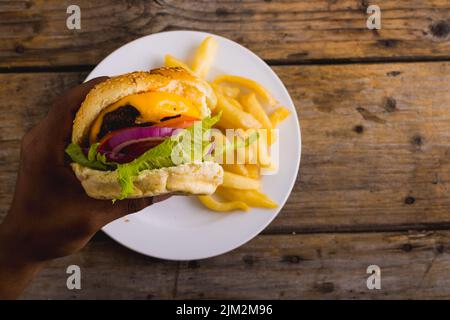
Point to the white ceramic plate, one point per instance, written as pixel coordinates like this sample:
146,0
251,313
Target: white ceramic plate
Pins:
181,228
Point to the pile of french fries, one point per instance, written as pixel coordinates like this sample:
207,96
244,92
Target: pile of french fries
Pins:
248,106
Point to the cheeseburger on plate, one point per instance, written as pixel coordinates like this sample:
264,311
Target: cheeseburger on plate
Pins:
134,136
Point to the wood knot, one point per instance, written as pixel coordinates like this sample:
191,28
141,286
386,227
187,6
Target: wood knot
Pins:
248,260
440,29
409,200
407,247
388,43
393,73
364,4
440,248
390,104
220,12
20,49
417,140
292,259
358,129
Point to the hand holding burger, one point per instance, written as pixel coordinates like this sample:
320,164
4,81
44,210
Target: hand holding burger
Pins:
119,142
51,215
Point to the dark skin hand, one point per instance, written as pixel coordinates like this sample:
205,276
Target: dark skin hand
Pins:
51,216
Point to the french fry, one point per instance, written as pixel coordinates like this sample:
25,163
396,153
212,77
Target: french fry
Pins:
204,56
252,106
213,204
231,92
171,61
243,154
212,101
237,168
272,136
225,152
264,159
250,84
225,124
235,116
250,153
236,103
228,91
216,88
232,180
253,198
278,115
253,171
241,180
220,90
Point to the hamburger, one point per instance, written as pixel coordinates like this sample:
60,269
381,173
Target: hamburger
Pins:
135,136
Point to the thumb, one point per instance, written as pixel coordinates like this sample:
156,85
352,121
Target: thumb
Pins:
135,205
128,206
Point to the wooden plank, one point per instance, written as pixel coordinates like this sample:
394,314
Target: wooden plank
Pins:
108,271
312,266
375,143
375,146
324,266
34,33
26,98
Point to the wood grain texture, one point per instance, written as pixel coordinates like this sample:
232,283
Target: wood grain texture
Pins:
312,266
34,33
375,146
108,271
26,98
375,153
375,143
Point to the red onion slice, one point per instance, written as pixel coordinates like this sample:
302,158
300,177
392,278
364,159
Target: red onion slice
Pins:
115,157
150,142
119,157
138,148
119,139
211,148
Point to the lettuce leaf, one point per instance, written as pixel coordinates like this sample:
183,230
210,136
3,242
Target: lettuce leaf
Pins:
183,147
94,160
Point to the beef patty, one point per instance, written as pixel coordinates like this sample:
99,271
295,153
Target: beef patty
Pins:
124,117
120,118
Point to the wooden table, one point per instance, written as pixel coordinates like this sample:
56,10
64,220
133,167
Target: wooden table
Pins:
374,108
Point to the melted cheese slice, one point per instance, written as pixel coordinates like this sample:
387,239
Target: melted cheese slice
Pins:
152,106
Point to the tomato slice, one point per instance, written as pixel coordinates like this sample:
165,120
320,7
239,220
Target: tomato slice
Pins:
181,122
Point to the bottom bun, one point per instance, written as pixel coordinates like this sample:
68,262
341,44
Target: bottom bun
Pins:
192,178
